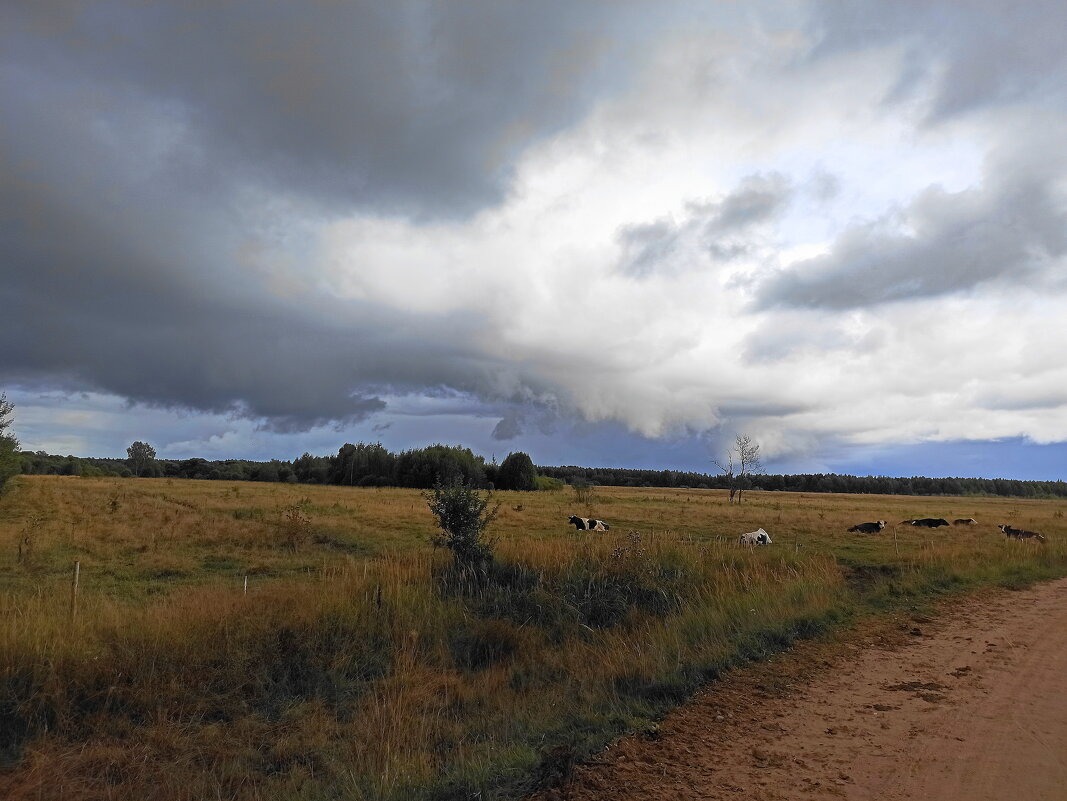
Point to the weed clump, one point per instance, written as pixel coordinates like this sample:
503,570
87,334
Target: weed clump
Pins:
480,644
604,592
296,527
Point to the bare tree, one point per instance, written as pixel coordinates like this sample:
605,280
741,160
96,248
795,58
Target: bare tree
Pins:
741,463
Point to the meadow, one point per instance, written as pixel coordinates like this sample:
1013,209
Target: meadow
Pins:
265,641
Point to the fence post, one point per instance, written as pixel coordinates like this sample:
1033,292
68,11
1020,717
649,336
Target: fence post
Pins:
74,591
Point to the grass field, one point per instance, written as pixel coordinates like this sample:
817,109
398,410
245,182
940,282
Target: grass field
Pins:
359,664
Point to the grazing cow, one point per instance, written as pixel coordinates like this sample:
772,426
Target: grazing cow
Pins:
1021,534
869,528
964,521
929,522
757,537
588,524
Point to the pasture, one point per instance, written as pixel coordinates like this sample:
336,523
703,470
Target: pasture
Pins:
260,641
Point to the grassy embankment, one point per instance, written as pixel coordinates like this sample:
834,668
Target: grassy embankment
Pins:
358,665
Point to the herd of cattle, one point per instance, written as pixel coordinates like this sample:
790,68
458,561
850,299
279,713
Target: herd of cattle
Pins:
761,537
934,522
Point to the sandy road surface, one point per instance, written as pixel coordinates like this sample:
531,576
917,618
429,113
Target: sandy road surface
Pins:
971,705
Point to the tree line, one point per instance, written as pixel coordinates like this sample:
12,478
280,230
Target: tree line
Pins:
359,465
810,482
373,465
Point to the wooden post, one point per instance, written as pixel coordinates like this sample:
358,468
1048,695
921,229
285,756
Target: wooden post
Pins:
246,585
74,591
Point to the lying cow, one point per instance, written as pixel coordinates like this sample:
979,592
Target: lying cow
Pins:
1021,534
929,522
869,528
588,524
964,521
757,537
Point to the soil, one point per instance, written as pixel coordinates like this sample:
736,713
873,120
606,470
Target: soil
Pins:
970,704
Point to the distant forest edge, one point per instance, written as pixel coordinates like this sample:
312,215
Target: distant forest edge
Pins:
364,465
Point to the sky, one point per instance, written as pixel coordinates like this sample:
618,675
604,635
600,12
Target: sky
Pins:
604,233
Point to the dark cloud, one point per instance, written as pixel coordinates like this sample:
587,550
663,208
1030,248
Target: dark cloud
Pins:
411,107
961,55
143,290
719,227
509,427
527,418
162,161
1014,226
757,199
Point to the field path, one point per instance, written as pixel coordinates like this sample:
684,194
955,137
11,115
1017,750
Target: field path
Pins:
971,705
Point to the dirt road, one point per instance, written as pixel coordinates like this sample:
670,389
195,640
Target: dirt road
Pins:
971,705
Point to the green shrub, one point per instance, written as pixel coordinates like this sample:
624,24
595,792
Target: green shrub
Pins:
463,515
549,484
10,464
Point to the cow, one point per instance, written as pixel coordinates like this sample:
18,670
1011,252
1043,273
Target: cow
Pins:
929,522
869,528
964,521
757,537
588,524
1021,534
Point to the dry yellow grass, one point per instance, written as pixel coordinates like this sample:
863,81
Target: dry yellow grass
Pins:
358,665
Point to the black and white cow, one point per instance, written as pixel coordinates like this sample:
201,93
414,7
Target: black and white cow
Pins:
1021,534
757,537
588,524
929,522
964,521
869,528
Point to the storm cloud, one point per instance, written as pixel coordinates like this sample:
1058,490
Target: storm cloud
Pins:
167,164
408,107
651,224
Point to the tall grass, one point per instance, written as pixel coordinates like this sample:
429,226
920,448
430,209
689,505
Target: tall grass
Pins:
369,666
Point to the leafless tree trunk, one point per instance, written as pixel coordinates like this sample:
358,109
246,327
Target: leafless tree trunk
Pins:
742,462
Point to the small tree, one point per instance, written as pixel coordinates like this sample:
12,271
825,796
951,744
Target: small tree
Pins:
463,515
141,455
9,460
517,472
742,462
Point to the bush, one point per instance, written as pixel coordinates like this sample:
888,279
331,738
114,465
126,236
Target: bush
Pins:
549,484
463,515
